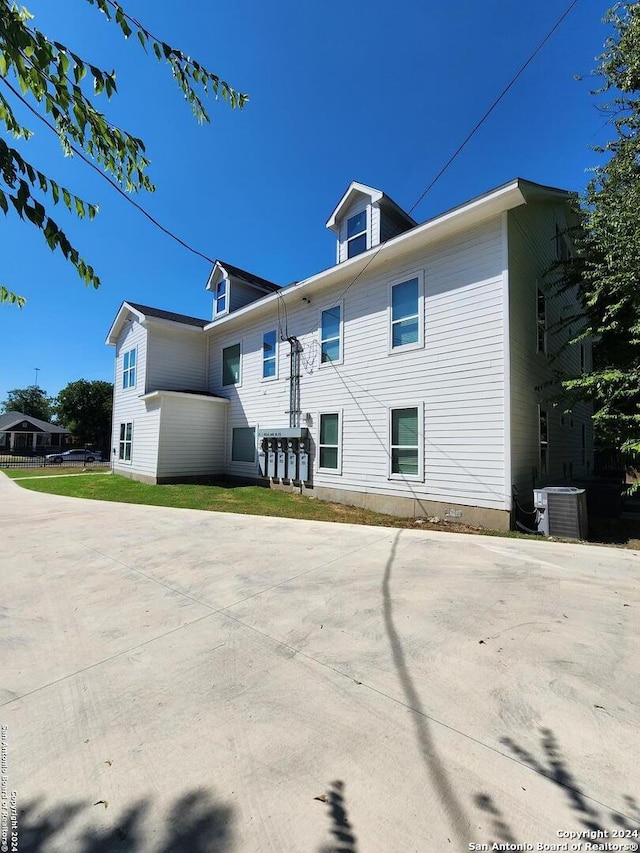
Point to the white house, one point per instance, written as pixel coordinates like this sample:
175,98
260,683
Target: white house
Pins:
411,378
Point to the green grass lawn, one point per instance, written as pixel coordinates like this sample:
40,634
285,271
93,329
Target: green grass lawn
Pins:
254,500
249,500
53,471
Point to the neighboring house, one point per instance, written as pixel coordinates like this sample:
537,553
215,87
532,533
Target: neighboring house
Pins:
412,377
20,433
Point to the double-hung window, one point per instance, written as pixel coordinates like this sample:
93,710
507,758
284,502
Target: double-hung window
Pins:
357,234
406,443
543,435
270,355
331,335
541,313
125,445
329,444
231,365
221,298
129,369
407,325
243,444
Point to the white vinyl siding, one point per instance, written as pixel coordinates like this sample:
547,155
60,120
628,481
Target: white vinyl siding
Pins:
458,376
532,251
129,408
176,359
192,437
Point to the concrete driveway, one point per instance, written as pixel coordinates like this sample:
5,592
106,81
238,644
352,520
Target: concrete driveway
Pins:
173,680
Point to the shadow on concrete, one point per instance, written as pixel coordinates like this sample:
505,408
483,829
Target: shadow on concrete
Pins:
459,822
341,829
195,823
592,815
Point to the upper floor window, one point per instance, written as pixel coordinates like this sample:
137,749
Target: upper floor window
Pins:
406,314
231,365
357,234
564,251
221,299
129,369
541,309
270,355
331,335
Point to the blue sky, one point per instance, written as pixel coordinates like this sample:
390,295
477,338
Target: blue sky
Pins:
381,93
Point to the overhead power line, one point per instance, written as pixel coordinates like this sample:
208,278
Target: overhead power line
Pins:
102,174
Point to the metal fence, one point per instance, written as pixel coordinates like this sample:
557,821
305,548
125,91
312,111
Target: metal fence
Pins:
84,459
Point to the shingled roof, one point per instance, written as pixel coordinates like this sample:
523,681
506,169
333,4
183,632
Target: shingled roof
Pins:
249,277
168,315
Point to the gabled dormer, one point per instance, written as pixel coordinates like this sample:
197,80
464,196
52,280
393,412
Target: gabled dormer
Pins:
364,218
234,288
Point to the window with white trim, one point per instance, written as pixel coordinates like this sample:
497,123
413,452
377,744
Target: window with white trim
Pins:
129,369
543,439
270,355
231,365
125,445
331,335
357,234
329,442
221,298
243,444
406,441
541,321
406,314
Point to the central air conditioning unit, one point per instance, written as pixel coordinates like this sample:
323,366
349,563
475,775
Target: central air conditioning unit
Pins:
562,511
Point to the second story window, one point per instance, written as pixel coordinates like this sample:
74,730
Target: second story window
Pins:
330,335
269,355
406,322
231,365
542,321
357,234
221,299
129,369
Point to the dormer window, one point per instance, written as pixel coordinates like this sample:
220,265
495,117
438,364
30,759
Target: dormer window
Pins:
221,299
357,234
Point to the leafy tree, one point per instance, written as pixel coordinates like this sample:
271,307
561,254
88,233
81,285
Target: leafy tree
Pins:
30,401
609,257
85,410
65,87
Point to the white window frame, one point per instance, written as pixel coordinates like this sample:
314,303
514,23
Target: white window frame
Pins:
419,344
340,338
415,478
366,231
247,465
544,469
127,371
237,384
123,442
274,358
216,297
543,350
333,471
